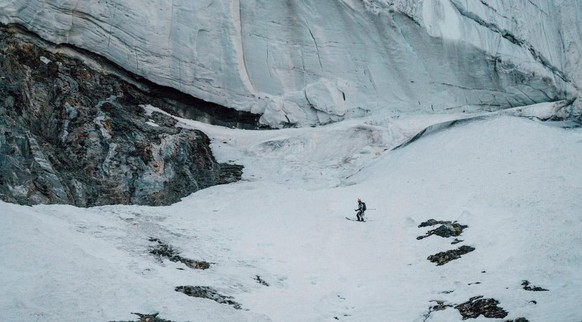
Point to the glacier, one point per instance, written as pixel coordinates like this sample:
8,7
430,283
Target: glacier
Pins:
304,63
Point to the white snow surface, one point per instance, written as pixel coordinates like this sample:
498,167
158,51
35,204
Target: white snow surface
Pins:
515,182
315,62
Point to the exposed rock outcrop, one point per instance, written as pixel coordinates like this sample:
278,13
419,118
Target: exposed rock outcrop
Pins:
147,318
442,258
162,250
445,230
72,135
478,305
528,287
206,292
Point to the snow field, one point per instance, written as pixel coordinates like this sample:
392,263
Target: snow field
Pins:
516,183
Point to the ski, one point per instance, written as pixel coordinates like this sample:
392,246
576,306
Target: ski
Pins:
351,219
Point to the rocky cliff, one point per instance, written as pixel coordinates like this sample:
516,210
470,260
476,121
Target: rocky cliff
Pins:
71,134
313,62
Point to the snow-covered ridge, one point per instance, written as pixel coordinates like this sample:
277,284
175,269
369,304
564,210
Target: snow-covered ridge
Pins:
320,61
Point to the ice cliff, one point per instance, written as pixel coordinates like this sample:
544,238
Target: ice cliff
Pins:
313,62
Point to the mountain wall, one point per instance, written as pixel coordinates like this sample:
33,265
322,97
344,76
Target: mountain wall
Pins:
312,62
72,135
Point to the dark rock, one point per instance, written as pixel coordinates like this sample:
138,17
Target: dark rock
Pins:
527,287
163,250
261,281
208,293
445,230
72,135
163,119
518,320
229,173
477,306
147,318
445,257
456,241
430,222
150,317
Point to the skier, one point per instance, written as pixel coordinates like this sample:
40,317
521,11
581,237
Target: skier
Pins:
361,209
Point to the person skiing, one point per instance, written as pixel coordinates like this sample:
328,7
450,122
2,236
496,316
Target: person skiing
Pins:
361,209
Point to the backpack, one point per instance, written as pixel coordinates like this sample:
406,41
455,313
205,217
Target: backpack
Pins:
363,206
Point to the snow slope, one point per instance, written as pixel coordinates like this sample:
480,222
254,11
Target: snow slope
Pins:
515,182
315,62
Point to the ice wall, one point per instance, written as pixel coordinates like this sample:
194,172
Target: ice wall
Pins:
313,62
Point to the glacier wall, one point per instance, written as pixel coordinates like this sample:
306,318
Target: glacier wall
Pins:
312,62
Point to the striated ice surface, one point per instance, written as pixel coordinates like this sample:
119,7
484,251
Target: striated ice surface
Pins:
314,62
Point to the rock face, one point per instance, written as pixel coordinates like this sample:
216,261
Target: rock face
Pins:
71,135
314,62
478,305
